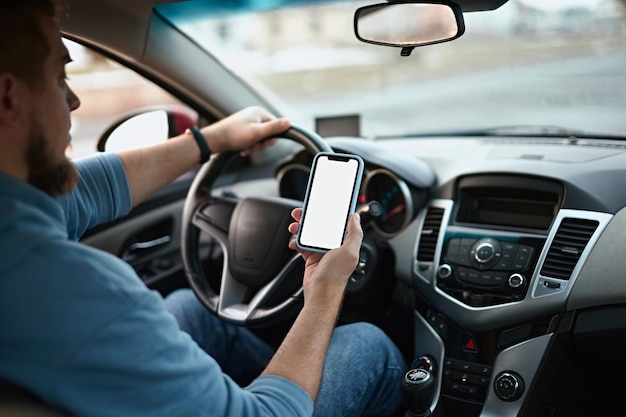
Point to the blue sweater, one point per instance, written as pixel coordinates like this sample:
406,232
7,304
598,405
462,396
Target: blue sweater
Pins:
82,331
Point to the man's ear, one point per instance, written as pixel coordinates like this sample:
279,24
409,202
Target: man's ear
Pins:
9,98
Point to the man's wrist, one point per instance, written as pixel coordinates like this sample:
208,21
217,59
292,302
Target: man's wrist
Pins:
205,152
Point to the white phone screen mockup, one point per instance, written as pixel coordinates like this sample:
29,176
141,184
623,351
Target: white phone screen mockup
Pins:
330,199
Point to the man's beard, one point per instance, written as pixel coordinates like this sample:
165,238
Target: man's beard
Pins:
53,178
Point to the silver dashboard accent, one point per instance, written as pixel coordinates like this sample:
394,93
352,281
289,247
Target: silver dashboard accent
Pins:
523,359
548,286
542,298
429,343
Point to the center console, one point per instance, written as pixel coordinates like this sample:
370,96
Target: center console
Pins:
493,266
483,269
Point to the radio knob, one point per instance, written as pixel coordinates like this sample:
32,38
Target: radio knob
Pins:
444,271
484,252
516,280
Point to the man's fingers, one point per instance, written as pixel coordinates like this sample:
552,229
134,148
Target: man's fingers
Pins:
354,236
272,128
296,214
293,228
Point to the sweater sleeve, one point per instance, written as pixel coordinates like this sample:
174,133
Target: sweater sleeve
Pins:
101,195
140,363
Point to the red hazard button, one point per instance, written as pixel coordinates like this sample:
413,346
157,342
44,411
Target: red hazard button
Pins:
470,345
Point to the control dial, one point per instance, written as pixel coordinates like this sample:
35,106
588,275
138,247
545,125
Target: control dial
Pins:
508,386
485,253
444,271
516,281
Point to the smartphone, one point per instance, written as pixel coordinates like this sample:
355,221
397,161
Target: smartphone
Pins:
330,199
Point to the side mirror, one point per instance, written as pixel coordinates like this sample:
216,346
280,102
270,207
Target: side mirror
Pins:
408,24
147,127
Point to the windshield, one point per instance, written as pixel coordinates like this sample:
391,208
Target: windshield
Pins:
534,63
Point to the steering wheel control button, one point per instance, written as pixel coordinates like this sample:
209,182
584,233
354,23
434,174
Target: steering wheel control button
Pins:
508,386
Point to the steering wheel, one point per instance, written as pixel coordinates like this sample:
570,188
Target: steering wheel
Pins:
253,235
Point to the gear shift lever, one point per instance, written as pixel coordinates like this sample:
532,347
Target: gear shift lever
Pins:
418,388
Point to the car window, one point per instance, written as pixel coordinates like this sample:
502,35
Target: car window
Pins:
532,65
108,91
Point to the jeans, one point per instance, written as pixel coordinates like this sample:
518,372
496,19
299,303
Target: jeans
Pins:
362,371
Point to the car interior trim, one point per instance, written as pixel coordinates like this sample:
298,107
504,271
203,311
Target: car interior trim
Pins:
541,300
523,359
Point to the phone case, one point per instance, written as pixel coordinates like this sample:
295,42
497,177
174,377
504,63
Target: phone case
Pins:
352,201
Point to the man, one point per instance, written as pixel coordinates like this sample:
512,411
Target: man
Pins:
80,330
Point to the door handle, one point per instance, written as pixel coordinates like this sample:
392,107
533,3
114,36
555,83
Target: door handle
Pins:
140,248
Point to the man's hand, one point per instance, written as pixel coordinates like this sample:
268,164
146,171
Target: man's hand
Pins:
247,130
333,268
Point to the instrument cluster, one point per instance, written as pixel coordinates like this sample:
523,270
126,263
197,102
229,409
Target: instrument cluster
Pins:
378,185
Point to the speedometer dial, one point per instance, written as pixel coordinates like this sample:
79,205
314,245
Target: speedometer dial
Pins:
393,195
292,180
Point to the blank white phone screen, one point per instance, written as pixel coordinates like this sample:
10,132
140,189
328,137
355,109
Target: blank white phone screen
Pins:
328,205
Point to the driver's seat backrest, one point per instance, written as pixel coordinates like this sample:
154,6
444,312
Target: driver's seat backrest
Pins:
15,401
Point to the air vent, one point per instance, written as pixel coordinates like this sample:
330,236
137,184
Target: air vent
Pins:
568,244
430,234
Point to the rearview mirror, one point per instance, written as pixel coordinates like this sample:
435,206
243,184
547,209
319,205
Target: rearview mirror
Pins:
408,24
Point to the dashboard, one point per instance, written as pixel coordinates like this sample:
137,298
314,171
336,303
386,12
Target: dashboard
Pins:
503,243
399,185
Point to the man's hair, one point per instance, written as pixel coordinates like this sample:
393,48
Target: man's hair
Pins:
24,48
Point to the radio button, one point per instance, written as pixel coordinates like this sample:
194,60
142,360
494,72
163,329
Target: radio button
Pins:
508,247
465,248
499,278
469,276
474,277
504,263
487,278
452,253
522,258
516,281
493,279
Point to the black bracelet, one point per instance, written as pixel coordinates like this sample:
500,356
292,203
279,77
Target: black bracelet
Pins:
205,152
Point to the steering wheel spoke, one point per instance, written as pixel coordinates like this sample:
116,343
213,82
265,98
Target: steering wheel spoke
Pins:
213,216
233,305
